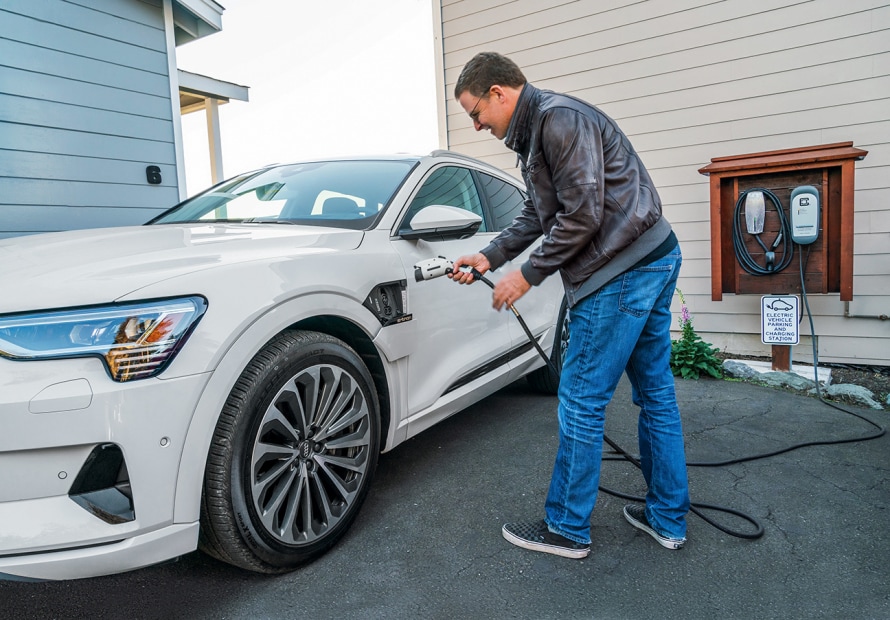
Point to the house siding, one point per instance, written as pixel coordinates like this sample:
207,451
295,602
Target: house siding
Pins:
689,80
84,108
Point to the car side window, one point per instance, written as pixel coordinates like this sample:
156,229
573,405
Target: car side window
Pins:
504,200
451,186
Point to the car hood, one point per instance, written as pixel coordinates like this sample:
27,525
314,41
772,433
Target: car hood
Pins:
101,265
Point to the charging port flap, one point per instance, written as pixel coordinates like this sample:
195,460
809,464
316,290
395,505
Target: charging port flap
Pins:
389,302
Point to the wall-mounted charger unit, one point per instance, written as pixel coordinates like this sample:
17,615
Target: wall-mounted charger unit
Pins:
804,210
828,172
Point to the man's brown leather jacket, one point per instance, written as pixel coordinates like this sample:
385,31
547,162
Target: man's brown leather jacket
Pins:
590,195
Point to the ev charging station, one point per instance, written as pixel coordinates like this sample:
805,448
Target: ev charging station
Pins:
782,228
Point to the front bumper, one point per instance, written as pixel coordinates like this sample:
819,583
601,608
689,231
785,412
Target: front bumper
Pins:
54,414
134,552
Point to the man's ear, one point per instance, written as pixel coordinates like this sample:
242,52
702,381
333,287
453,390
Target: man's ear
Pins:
499,92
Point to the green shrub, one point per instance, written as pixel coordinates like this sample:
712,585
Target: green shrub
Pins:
690,355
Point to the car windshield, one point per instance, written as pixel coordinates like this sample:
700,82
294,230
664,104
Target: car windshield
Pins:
346,194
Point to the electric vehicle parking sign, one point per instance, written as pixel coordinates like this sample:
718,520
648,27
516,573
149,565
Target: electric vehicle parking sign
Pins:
779,319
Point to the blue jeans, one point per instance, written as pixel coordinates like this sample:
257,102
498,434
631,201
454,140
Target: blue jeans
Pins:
623,327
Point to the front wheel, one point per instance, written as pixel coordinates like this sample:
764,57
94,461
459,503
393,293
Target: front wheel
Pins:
544,379
293,454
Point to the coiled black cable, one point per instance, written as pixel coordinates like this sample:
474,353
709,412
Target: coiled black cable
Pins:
695,507
879,430
783,239
877,433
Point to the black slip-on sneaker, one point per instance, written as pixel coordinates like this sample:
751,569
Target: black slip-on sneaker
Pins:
636,516
535,536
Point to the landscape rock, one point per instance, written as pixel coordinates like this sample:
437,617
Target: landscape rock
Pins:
738,370
850,392
787,379
854,393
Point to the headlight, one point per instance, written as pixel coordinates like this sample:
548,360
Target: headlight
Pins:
136,340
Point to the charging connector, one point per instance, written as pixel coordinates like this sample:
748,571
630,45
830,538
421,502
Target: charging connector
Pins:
753,201
432,268
755,212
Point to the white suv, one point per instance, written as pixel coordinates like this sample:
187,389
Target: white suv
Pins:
227,374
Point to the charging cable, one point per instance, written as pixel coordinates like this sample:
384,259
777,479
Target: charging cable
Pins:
435,267
752,200
754,205
878,432
815,343
440,266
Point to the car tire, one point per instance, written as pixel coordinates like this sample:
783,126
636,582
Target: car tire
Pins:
292,456
544,379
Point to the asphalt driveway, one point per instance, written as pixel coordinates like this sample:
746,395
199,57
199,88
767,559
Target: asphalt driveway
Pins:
428,545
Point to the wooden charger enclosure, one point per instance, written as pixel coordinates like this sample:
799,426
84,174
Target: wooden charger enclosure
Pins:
828,261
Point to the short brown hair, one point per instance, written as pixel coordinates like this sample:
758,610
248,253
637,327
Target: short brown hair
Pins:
485,70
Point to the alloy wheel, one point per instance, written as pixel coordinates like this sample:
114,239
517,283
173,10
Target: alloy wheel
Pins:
310,454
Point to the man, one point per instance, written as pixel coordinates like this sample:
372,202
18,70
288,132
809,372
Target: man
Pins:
600,216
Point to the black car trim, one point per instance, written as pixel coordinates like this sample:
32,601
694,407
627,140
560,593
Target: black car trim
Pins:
488,367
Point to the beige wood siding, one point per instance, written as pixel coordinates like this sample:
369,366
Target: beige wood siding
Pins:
689,80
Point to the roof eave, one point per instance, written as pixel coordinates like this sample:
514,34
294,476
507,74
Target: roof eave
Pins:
195,19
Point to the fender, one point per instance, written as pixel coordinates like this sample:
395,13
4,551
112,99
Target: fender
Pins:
190,478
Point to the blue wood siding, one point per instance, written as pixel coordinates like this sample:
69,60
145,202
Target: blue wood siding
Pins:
84,108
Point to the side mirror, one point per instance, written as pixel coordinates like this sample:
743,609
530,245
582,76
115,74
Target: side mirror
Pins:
442,223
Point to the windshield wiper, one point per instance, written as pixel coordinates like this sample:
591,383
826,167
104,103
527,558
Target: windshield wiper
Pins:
262,220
